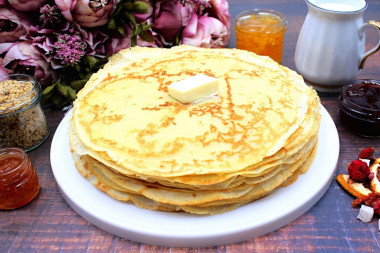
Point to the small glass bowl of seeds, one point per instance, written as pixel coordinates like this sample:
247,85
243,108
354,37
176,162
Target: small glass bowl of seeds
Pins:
22,119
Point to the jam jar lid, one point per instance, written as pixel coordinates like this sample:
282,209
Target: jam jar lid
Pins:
361,98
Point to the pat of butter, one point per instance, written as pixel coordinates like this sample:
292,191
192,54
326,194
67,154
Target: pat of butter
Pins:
193,88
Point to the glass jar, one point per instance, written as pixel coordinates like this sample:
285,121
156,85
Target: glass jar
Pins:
261,31
22,119
359,107
18,179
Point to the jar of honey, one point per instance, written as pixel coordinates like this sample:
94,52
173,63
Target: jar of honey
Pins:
261,31
18,179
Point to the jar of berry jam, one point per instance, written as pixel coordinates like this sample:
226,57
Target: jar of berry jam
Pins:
18,179
359,104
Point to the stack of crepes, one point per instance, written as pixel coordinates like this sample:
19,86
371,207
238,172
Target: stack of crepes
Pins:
135,142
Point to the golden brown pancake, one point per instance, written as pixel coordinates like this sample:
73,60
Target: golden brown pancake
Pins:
134,141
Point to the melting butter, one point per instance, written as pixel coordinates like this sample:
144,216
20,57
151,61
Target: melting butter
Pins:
194,88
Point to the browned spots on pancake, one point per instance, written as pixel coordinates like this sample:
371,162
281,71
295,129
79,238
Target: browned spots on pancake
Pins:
160,106
168,121
151,129
111,119
109,78
107,141
172,162
213,109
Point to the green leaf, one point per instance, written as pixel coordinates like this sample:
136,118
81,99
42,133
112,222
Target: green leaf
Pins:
48,90
101,62
121,30
62,89
131,18
140,7
58,100
133,41
112,24
147,26
72,94
90,60
147,36
177,39
138,29
77,67
128,6
78,84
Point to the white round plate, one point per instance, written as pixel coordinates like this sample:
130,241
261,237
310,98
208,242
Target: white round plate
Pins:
187,230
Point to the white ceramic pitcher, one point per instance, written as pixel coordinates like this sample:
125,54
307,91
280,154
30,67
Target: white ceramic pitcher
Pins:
331,45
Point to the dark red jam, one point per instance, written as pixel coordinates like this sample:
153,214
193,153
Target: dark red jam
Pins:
359,104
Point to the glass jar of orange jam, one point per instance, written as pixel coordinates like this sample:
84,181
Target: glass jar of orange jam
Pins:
18,179
261,31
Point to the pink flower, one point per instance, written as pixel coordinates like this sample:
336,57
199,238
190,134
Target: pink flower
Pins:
117,43
27,5
94,39
68,45
69,48
170,17
3,71
219,10
66,6
13,25
87,13
50,16
22,57
205,32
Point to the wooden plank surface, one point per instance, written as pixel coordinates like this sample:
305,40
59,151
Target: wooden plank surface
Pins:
48,224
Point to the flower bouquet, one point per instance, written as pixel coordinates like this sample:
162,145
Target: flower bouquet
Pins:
63,42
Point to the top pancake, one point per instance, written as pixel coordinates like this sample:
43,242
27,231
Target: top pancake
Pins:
126,116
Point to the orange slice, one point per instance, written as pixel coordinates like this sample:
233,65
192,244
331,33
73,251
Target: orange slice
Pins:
356,189
375,183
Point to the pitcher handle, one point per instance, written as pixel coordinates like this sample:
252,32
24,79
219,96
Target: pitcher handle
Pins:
373,50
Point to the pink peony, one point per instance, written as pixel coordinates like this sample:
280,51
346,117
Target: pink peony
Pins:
27,5
22,57
3,71
87,13
205,32
94,40
66,6
13,25
219,10
170,17
117,42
